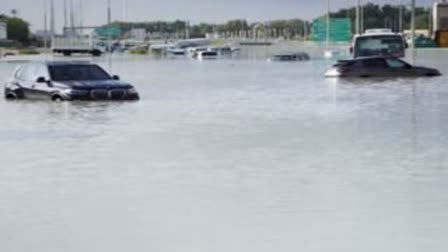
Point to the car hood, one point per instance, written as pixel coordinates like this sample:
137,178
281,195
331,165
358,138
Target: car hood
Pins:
103,84
427,70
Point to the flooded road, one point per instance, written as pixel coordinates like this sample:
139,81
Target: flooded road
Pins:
230,155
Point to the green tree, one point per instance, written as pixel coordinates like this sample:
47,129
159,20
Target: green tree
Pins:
18,29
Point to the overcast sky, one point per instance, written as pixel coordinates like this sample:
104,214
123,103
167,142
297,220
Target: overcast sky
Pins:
194,10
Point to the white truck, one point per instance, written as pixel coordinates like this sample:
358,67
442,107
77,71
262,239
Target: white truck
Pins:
378,42
68,45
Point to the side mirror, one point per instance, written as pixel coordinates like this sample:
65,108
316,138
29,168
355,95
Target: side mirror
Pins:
406,45
42,80
115,77
351,50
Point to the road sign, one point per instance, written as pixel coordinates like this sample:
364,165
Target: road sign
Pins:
340,29
108,30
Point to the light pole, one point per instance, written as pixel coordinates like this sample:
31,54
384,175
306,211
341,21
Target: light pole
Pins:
45,25
358,3
400,17
328,25
413,31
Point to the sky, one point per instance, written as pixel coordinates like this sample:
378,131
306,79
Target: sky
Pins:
214,11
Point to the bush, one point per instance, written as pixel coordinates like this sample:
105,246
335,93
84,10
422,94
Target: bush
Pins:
138,50
28,51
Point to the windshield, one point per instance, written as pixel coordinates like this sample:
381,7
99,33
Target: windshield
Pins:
77,72
387,45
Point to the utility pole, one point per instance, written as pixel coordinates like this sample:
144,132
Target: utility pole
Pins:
109,13
187,30
305,30
52,20
45,25
413,31
65,18
109,21
400,18
357,17
72,19
328,25
80,17
362,17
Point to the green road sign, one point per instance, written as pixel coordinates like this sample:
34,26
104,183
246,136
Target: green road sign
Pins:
340,29
110,30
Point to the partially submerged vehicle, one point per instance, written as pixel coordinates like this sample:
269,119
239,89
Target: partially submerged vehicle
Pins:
378,67
66,81
176,51
378,42
207,55
301,56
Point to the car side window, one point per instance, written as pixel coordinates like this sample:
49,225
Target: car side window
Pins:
21,74
42,71
18,72
394,63
374,63
30,74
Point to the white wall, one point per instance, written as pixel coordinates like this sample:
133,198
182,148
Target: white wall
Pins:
440,16
3,33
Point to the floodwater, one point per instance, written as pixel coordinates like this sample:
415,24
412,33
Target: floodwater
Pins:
230,155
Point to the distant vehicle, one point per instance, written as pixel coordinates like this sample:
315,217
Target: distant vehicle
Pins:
66,81
378,42
193,52
290,57
207,55
68,45
176,51
378,67
222,50
183,44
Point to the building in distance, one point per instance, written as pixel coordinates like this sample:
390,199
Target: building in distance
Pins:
3,31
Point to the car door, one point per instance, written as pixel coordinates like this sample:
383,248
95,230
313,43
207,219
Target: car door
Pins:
41,90
23,80
375,67
399,68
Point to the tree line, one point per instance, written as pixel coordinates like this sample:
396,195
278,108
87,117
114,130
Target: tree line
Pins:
291,27
374,16
387,16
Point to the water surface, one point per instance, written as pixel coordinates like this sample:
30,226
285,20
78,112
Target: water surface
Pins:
230,155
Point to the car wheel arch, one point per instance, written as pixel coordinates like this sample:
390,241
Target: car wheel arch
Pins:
11,96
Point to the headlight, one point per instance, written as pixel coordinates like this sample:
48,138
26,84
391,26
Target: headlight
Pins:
67,91
132,91
333,72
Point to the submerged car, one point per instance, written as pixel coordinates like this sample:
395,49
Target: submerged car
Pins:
378,67
301,56
67,81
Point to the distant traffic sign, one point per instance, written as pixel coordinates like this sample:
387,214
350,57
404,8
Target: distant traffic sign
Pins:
108,30
340,29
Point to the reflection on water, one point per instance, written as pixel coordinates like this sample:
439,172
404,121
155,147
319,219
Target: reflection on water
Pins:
232,155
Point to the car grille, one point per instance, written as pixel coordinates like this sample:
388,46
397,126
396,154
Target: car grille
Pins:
99,94
104,94
117,94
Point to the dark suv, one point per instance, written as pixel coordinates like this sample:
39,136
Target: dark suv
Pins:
378,67
67,81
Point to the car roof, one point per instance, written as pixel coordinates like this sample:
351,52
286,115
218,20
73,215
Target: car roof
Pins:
382,34
369,58
62,63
